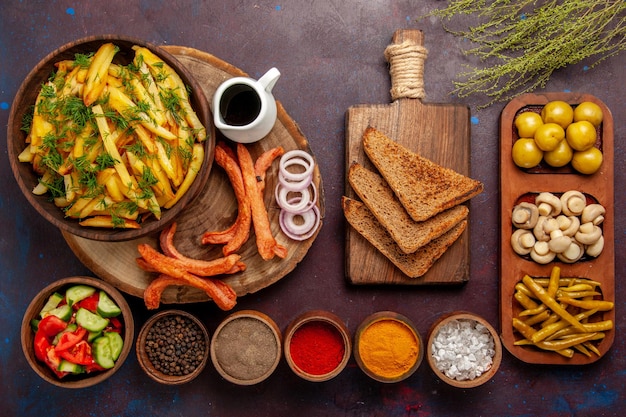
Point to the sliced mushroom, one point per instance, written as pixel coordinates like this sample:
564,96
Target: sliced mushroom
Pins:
541,253
568,225
593,213
573,253
595,249
525,215
573,202
588,233
539,230
548,204
522,241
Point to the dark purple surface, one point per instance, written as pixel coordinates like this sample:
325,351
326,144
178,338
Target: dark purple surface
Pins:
330,55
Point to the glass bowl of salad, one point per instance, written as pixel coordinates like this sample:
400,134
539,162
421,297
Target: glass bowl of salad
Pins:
77,332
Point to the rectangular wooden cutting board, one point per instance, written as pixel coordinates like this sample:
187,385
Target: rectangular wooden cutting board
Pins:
440,132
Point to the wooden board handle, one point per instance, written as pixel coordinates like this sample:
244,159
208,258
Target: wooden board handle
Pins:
406,56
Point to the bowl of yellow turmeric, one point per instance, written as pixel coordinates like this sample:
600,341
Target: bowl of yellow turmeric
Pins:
387,347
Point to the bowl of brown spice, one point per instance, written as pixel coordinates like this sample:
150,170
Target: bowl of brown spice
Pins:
173,347
246,347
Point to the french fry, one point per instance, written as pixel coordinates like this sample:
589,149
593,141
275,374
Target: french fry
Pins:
192,172
109,222
266,243
97,73
176,86
127,108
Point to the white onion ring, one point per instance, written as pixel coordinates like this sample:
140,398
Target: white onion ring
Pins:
294,185
293,205
293,231
296,204
296,157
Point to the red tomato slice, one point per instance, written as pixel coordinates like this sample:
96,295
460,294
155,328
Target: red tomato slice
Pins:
51,325
42,344
90,303
70,339
53,361
79,354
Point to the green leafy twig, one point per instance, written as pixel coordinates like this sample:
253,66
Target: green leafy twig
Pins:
525,41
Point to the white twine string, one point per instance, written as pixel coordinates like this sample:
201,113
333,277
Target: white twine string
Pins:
406,67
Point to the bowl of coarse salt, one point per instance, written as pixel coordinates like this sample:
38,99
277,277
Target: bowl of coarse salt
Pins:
463,350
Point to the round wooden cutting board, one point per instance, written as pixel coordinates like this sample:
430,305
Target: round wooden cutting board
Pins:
215,208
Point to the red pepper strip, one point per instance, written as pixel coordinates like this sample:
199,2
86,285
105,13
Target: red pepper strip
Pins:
90,303
79,354
51,325
70,339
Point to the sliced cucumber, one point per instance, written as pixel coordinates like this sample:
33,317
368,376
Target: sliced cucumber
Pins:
78,292
63,312
102,352
116,342
107,307
67,366
90,321
53,302
91,336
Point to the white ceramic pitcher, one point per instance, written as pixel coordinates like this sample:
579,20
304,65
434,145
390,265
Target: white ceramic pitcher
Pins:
244,109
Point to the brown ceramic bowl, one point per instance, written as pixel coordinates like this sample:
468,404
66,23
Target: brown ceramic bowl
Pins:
148,366
246,347
386,352
23,104
310,364
470,320
28,335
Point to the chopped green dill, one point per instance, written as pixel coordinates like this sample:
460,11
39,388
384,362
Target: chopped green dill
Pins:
56,187
171,102
104,160
74,109
83,60
186,154
27,120
138,149
167,146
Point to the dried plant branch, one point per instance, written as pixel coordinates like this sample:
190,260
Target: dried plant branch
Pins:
525,41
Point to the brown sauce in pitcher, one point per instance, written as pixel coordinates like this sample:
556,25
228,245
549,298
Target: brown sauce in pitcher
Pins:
240,105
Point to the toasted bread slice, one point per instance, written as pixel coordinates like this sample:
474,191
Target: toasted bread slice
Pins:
413,264
423,187
390,213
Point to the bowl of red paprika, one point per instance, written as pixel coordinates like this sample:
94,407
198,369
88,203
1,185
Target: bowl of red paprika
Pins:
317,345
77,332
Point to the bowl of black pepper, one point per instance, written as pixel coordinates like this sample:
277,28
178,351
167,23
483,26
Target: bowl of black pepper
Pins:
173,347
